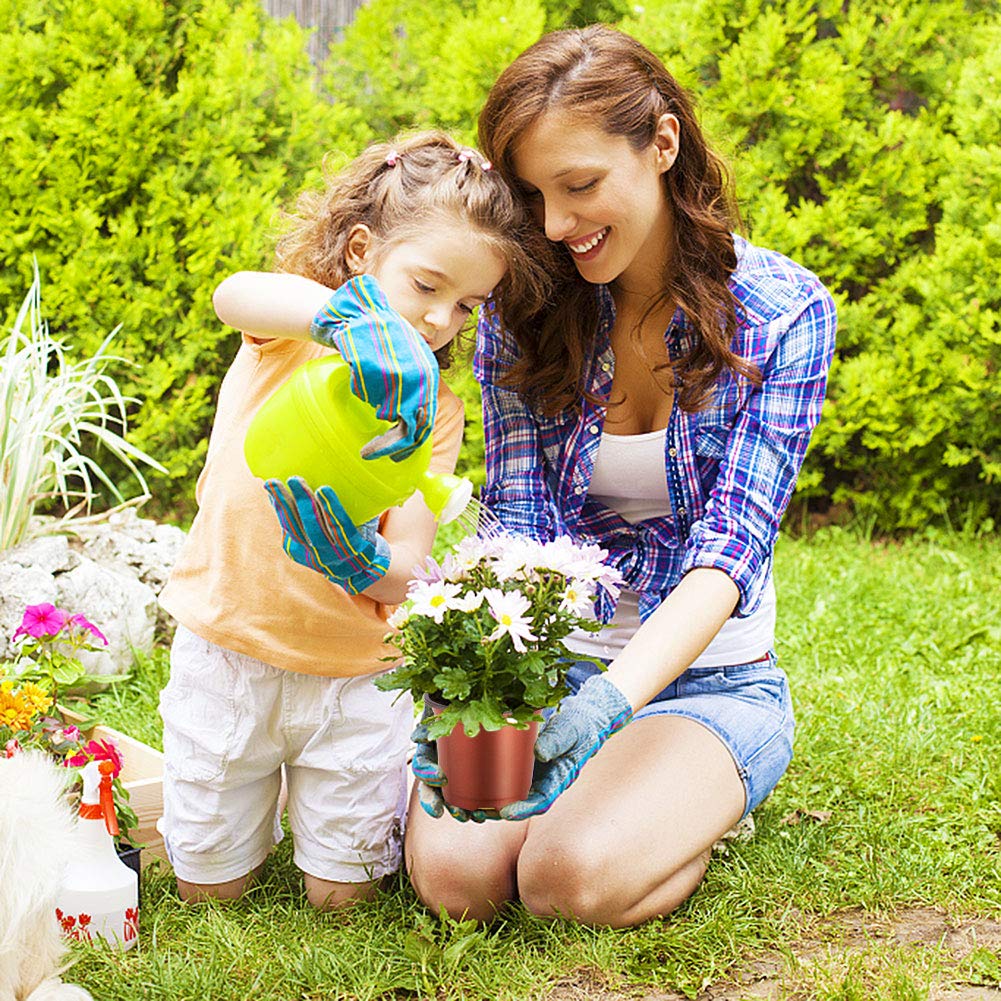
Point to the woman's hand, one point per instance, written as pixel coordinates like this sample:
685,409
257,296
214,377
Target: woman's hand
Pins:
569,738
317,533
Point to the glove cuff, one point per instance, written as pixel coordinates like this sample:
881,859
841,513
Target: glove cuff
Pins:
358,297
613,707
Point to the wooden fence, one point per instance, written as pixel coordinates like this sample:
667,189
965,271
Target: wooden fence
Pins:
328,18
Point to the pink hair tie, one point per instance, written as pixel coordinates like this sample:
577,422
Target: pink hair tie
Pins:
393,158
465,157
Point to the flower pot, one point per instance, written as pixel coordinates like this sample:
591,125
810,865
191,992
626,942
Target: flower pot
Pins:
489,770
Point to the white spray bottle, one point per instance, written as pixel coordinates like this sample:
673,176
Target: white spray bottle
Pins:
100,893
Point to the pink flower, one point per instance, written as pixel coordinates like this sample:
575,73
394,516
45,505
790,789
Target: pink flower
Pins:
70,734
82,623
41,621
11,748
96,750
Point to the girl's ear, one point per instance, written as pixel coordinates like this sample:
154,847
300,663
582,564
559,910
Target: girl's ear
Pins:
666,141
359,248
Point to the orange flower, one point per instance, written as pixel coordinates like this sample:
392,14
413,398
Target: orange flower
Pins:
14,711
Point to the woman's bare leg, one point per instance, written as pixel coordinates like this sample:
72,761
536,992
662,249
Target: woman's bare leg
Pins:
631,838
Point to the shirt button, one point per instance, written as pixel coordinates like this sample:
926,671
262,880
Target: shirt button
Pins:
672,452
606,367
593,429
578,490
681,510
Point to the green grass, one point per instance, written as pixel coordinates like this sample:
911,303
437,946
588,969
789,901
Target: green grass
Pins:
894,652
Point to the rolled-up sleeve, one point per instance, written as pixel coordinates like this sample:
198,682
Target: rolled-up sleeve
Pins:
764,450
515,487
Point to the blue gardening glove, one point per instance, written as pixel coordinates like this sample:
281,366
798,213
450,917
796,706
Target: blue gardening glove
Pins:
318,534
569,737
431,778
392,367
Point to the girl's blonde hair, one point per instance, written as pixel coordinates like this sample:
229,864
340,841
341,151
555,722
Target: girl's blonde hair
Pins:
400,188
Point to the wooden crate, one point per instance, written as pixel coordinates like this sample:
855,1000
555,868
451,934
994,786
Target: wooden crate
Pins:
142,776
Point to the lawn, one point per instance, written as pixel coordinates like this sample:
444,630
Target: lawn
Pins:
874,872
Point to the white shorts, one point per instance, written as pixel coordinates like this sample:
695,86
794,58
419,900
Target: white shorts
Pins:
231,722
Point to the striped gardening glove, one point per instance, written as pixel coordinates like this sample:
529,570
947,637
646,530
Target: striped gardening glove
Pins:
392,367
317,533
569,738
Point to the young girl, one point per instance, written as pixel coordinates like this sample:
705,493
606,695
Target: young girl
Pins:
272,662
659,407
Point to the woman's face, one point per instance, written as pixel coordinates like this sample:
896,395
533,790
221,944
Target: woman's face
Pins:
598,196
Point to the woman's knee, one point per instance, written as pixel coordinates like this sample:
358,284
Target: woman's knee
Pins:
560,879
587,883
467,885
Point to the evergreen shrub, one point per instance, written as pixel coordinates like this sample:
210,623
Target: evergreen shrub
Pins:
147,147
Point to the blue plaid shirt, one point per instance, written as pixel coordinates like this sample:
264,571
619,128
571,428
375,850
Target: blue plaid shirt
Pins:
730,468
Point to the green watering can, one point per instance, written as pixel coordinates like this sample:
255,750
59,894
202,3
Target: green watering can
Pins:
313,426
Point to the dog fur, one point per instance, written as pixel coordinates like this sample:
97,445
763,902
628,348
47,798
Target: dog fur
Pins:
36,828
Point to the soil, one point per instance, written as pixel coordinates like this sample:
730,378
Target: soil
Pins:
786,975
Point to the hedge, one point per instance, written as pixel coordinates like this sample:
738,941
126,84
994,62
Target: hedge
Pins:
150,145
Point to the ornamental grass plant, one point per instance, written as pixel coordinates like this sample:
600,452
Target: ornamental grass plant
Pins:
483,631
56,415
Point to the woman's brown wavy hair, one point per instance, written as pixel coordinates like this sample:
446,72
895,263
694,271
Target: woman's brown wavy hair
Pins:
601,74
399,189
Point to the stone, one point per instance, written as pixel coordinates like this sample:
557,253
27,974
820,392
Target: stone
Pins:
109,570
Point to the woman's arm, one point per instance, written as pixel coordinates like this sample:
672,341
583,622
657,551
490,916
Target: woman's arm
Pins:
266,305
674,635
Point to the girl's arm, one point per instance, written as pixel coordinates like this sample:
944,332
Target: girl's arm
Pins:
409,530
266,305
674,635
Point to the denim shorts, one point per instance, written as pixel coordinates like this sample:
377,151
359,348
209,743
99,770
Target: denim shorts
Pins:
747,706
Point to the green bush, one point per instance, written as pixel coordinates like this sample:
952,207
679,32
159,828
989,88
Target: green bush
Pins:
866,139
147,146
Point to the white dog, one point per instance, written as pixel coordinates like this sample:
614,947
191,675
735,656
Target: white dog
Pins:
36,827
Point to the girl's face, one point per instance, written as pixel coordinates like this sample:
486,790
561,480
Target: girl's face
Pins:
598,196
434,279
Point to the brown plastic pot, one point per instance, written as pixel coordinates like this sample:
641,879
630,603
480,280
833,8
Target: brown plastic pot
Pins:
489,770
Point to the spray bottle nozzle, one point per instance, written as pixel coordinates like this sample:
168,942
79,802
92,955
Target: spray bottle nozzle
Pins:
108,798
98,799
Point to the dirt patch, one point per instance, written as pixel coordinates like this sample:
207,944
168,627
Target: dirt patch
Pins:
856,941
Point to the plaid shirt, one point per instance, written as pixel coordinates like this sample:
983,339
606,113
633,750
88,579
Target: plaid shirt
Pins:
730,468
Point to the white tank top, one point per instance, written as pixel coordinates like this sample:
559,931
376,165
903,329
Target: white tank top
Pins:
629,477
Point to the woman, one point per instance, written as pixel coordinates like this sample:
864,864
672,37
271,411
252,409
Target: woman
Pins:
660,408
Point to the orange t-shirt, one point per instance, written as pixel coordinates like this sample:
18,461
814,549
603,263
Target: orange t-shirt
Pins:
233,584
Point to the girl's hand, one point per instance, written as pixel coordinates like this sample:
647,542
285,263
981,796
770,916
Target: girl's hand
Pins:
392,367
318,534
570,736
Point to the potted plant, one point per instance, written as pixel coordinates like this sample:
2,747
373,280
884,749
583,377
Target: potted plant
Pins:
481,637
47,643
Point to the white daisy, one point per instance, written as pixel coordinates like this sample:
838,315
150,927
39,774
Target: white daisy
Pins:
509,611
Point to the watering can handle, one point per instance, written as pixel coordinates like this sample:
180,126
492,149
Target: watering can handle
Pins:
396,433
